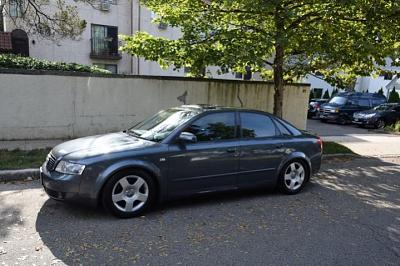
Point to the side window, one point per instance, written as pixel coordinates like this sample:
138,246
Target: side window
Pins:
291,128
216,126
256,126
284,131
376,102
363,102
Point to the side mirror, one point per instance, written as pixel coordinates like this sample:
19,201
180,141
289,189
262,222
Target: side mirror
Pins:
187,137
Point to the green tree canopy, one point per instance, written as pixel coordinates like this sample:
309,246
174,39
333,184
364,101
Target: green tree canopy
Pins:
282,39
380,91
394,96
49,19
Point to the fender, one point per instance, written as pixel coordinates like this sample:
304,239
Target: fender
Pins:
126,164
291,156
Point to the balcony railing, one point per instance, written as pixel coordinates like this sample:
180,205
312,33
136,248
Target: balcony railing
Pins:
105,48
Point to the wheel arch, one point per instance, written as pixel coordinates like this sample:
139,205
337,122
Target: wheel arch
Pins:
149,168
295,156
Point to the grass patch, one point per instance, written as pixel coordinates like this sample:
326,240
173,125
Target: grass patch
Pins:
334,148
393,128
18,159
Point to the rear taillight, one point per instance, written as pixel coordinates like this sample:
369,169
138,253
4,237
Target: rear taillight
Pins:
319,141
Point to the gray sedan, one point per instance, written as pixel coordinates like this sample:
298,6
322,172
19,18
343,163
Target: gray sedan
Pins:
178,152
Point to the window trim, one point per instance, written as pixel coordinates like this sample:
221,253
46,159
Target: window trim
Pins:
277,132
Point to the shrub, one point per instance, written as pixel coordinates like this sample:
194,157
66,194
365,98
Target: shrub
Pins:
394,96
18,62
326,95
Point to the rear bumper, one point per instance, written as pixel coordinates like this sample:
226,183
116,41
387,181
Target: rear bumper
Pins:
63,187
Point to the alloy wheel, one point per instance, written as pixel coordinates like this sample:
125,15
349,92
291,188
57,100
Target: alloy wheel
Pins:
130,193
294,176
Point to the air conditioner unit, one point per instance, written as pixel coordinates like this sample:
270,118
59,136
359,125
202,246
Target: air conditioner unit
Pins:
105,6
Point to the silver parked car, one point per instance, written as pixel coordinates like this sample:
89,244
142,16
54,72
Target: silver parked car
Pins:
178,152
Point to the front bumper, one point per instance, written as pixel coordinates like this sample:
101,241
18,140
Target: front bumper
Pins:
364,121
63,187
329,116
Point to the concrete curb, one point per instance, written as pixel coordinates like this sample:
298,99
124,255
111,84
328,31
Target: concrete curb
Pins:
19,175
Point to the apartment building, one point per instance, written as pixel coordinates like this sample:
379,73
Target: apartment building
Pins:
98,45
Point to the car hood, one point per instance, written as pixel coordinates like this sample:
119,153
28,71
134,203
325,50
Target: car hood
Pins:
98,145
330,105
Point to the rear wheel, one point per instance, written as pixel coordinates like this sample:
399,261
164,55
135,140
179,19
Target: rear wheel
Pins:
294,176
128,193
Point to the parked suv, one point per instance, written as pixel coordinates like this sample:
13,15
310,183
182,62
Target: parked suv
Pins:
341,108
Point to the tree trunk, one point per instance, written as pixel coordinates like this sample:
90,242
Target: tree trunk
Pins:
278,80
278,62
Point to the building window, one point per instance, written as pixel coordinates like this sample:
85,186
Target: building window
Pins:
16,8
388,76
238,75
110,67
104,42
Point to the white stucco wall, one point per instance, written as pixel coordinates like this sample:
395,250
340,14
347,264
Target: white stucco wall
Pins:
55,106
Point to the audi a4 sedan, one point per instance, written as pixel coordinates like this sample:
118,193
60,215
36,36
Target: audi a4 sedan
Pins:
178,152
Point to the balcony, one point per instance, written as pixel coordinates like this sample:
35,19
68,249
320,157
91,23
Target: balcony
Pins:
105,48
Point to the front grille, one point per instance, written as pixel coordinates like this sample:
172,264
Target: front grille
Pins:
326,111
51,162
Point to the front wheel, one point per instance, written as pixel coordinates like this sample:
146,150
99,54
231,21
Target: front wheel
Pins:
293,177
380,123
128,193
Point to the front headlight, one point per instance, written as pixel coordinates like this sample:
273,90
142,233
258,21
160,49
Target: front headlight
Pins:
336,110
369,115
68,168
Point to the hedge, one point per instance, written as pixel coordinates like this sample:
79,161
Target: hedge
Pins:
18,62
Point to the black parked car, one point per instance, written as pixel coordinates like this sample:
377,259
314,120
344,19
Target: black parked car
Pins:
341,108
182,151
314,107
379,117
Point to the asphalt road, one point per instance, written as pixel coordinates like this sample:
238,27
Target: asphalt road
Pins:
348,215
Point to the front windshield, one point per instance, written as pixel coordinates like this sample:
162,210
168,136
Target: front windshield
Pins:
160,125
382,107
338,100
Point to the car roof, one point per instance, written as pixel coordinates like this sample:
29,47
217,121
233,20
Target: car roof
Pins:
360,94
209,107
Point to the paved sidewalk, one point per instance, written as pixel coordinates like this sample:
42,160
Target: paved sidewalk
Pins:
369,145
365,142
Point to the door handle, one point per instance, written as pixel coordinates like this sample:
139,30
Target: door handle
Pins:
231,150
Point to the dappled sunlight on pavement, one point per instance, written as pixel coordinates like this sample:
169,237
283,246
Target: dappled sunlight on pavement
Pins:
349,214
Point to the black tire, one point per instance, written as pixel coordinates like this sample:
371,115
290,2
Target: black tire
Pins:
282,183
342,121
111,186
380,124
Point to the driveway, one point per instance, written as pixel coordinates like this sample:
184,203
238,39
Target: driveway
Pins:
366,142
348,215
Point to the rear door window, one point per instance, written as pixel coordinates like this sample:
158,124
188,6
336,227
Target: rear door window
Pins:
256,125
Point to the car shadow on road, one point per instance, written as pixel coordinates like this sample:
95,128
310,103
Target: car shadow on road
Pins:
347,208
